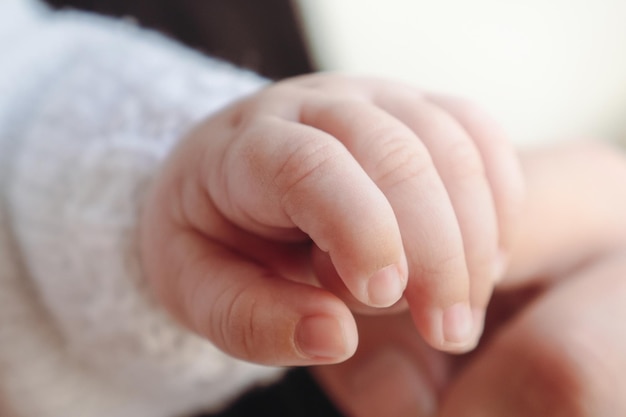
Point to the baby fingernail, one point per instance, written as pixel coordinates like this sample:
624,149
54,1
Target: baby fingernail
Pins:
385,287
457,324
321,337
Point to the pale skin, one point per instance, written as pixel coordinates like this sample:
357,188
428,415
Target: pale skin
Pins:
322,195
282,208
555,339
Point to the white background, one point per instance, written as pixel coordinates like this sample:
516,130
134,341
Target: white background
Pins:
547,69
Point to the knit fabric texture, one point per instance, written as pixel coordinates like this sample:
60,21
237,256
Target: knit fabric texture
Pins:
89,108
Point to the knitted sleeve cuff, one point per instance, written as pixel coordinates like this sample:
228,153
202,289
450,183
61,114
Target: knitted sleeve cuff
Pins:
121,98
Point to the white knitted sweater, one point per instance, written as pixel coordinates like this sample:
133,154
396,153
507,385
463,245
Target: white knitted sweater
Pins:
89,107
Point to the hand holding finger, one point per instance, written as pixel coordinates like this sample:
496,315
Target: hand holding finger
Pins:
563,356
368,182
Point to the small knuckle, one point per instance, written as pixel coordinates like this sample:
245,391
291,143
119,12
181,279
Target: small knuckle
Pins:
340,111
240,117
307,161
278,89
464,161
235,322
401,162
269,101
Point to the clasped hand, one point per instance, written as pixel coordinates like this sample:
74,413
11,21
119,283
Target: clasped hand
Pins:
320,196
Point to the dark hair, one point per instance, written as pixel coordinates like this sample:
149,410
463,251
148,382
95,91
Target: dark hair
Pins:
264,36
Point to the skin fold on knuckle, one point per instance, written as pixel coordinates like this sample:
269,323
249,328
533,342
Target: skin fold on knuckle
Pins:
253,327
309,158
233,323
266,173
302,170
401,162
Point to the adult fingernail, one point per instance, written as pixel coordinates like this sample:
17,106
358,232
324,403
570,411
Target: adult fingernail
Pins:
457,325
321,337
393,385
385,287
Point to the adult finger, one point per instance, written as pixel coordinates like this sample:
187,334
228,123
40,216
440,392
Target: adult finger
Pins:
569,183
393,373
563,356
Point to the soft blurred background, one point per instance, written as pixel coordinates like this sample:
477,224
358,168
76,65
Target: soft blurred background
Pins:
547,69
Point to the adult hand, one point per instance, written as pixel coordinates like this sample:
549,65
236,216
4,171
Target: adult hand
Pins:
558,351
563,355
554,340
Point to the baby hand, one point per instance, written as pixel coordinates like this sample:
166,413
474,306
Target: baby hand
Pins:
323,193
